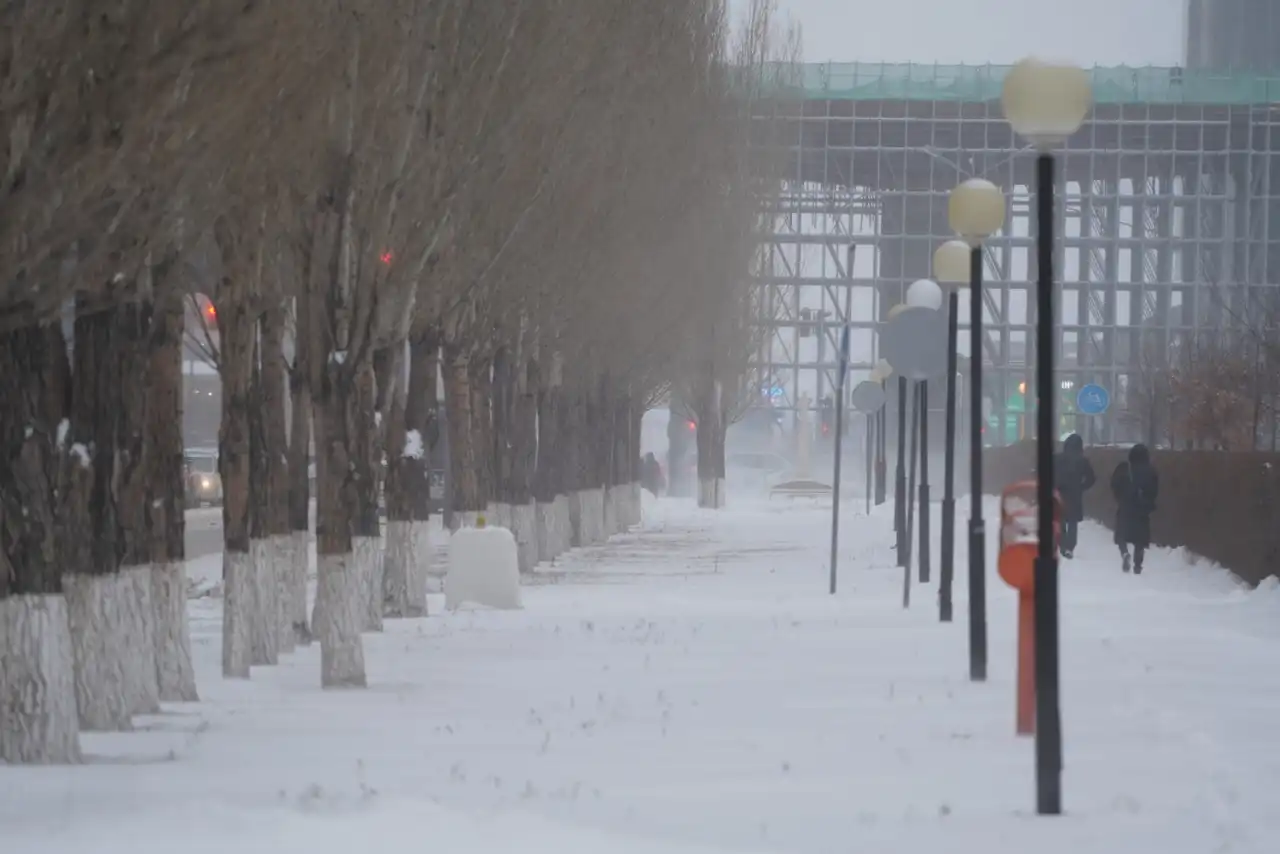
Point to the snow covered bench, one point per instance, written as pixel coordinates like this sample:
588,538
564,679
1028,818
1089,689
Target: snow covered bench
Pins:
800,489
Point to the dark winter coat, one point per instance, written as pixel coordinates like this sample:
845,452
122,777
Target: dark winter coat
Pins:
651,477
1136,486
1073,475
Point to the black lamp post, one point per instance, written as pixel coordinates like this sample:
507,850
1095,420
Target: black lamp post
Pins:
882,372
976,210
914,342
924,293
1046,103
900,476
951,267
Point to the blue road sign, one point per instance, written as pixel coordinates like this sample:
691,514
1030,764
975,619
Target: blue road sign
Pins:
1093,399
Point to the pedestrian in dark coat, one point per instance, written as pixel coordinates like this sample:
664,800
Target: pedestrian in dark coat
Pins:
651,474
1073,476
1135,485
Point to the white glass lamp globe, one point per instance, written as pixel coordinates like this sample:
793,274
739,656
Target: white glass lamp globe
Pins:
951,263
975,209
1046,101
924,293
897,310
886,369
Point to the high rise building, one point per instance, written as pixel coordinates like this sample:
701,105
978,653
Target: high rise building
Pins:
1241,35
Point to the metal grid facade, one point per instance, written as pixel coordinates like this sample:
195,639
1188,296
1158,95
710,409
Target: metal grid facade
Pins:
1168,221
1240,34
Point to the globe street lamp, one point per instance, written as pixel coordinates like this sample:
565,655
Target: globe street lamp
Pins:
1045,103
975,211
882,422
924,293
951,268
900,472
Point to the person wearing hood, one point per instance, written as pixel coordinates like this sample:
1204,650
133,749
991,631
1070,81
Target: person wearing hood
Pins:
1135,485
1073,475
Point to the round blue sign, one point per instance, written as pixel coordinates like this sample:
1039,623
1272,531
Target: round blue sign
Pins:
1093,399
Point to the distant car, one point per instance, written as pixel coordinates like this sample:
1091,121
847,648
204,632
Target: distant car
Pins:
203,483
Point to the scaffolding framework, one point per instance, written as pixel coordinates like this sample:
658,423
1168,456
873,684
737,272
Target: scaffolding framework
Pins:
1168,214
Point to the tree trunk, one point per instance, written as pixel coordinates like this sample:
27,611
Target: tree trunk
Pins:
235,363
166,494
89,532
340,596
711,439
412,434
263,648
367,545
523,436
547,474
132,483
466,499
549,481
299,479
500,399
482,427
37,671
275,438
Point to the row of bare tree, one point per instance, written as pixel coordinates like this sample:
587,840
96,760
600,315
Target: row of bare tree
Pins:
528,218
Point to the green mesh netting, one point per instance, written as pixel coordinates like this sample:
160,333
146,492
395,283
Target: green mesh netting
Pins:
869,81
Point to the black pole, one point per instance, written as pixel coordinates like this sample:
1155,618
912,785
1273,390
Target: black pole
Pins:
925,514
947,570
868,436
835,488
882,424
977,527
911,476
1048,716
900,476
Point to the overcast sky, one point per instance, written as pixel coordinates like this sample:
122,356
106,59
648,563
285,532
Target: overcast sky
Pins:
1089,32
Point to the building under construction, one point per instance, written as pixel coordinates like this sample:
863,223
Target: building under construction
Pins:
1167,221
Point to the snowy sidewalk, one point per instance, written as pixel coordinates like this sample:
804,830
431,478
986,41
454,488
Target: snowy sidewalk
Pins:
691,687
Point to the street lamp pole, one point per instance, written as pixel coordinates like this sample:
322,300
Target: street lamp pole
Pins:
1046,103
900,472
975,211
924,293
951,268
882,425
914,342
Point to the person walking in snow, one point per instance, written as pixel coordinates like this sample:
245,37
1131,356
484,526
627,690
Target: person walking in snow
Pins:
651,475
1073,476
1135,485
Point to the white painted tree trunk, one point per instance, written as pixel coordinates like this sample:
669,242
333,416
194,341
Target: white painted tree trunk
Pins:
300,567
39,723
711,493
175,676
339,614
282,566
419,567
368,555
137,619
263,639
404,588
237,614
100,644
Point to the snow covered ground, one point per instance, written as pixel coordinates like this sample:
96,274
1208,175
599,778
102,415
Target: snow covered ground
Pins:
692,688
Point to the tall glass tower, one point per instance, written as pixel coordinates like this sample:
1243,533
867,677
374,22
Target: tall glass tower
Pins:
1242,35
